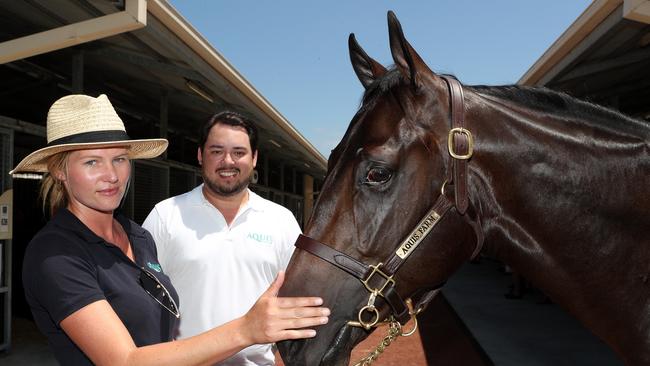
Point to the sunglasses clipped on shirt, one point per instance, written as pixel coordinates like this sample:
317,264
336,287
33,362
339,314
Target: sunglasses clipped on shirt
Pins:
158,292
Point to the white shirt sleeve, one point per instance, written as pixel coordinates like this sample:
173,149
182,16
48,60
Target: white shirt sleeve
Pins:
291,234
155,225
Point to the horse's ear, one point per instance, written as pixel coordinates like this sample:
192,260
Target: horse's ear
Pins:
409,63
366,68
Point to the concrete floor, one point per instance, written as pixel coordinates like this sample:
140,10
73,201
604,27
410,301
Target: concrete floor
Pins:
523,331
511,332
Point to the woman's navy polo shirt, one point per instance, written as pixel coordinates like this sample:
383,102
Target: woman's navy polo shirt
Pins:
67,267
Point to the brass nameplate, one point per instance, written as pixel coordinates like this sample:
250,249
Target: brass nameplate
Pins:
418,234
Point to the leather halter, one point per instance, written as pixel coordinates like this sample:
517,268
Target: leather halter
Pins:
378,279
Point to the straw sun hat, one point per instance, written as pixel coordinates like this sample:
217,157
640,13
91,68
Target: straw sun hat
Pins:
77,122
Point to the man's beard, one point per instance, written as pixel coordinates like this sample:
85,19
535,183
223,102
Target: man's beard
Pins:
226,191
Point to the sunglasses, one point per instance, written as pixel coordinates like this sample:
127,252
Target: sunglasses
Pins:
158,292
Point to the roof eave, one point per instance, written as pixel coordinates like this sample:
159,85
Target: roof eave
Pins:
175,22
590,18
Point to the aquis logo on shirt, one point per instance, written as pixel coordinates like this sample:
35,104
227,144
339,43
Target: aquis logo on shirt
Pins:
155,266
261,238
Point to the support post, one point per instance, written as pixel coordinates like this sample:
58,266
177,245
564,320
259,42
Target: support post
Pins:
308,195
78,72
164,117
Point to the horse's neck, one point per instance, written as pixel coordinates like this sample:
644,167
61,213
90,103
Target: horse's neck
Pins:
565,204
544,171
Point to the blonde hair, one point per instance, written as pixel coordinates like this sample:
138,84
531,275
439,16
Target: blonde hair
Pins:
52,192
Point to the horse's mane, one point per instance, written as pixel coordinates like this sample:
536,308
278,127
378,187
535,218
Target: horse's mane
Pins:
563,105
549,101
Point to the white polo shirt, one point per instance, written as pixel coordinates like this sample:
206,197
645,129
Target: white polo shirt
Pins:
219,271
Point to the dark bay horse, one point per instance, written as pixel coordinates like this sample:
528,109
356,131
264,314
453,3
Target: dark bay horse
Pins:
555,187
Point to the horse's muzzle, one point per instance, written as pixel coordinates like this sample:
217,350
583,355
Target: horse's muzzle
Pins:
305,352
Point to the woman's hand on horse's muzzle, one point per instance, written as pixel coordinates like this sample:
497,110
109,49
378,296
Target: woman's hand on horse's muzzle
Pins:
274,318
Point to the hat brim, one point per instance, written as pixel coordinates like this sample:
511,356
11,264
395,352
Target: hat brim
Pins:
136,149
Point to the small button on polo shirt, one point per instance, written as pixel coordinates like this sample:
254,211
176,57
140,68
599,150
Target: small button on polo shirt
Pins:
67,267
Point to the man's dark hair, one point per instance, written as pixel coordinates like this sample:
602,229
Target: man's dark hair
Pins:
232,119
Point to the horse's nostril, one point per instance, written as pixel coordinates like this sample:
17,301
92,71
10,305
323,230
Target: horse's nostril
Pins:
291,352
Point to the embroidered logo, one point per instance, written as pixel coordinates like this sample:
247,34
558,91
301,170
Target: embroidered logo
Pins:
261,238
155,266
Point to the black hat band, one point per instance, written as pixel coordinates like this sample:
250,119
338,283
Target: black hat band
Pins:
91,137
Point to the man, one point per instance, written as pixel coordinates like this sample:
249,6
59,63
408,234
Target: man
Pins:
221,244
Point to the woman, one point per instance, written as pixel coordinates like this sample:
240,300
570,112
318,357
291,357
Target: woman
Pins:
92,278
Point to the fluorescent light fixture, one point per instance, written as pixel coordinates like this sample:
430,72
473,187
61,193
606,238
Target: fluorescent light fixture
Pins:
307,165
198,90
275,143
27,176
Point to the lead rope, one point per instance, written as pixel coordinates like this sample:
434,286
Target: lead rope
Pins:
394,331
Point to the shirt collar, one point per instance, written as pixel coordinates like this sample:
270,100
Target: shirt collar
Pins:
255,202
66,220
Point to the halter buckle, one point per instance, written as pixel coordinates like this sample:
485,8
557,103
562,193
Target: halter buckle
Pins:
470,143
388,280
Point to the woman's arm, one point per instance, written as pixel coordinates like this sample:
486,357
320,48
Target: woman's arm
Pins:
102,336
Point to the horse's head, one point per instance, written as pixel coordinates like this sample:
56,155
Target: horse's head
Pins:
383,179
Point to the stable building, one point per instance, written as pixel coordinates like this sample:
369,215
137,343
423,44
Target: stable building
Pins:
603,57
163,78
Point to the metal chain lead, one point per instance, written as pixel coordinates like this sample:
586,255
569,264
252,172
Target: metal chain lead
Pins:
394,331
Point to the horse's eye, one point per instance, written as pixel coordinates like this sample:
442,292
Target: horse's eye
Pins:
378,175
